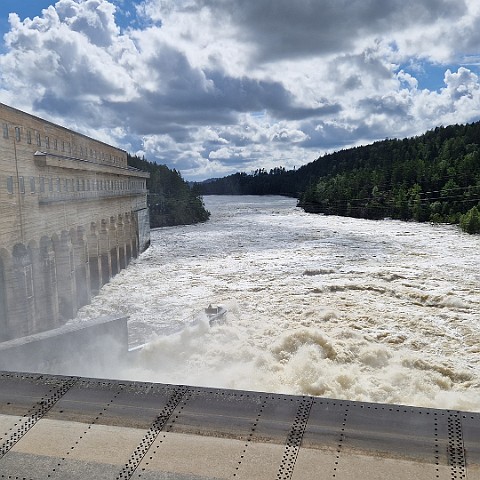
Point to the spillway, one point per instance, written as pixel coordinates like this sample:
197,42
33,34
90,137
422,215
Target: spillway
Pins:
66,427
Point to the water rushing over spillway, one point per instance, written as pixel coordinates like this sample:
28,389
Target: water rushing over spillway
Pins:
381,311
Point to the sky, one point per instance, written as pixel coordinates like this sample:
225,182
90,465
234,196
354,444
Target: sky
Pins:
214,87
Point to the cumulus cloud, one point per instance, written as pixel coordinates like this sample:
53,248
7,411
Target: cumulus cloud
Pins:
211,87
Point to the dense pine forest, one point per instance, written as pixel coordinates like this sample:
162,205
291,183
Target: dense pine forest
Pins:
433,177
171,200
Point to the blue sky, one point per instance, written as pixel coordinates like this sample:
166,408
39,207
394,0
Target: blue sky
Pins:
125,14
211,88
24,8
429,76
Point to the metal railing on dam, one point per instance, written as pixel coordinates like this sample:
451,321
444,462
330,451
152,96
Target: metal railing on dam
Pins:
63,427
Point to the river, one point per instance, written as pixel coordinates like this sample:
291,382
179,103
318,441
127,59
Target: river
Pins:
381,311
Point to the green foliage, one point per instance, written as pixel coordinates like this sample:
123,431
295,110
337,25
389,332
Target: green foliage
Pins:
277,181
470,222
435,177
171,200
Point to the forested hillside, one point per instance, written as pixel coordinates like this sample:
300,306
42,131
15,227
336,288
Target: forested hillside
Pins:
432,177
277,181
171,200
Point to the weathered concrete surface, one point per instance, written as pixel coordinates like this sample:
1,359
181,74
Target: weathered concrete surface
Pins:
77,428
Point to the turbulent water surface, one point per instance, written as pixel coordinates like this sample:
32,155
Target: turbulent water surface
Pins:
380,311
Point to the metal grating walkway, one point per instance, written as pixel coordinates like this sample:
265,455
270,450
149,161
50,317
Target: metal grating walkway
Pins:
54,427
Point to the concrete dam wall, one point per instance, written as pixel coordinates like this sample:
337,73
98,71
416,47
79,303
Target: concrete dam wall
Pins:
72,215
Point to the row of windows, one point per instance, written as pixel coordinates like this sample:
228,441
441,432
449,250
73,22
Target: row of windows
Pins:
63,146
51,184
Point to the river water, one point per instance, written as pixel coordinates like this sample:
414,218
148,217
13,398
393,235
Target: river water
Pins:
382,311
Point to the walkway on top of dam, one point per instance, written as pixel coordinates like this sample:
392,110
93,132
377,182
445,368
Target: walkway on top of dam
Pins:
60,427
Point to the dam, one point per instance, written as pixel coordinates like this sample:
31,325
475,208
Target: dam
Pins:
72,215
75,426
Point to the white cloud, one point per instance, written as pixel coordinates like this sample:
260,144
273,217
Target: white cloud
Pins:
214,87
464,83
457,102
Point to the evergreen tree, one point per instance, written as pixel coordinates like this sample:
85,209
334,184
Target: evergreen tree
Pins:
171,201
470,222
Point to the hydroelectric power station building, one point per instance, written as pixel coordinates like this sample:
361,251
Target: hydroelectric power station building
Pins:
72,215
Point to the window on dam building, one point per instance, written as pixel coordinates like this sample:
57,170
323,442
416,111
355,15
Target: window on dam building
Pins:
53,186
77,146
10,185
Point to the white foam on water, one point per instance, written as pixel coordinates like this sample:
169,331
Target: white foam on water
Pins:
381,311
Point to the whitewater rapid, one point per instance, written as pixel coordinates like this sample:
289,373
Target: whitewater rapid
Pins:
382,311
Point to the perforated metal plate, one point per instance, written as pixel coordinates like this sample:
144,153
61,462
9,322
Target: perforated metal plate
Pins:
294,439
46,392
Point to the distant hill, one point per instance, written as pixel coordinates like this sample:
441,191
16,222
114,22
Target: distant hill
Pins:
432,177
277,181
171,200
